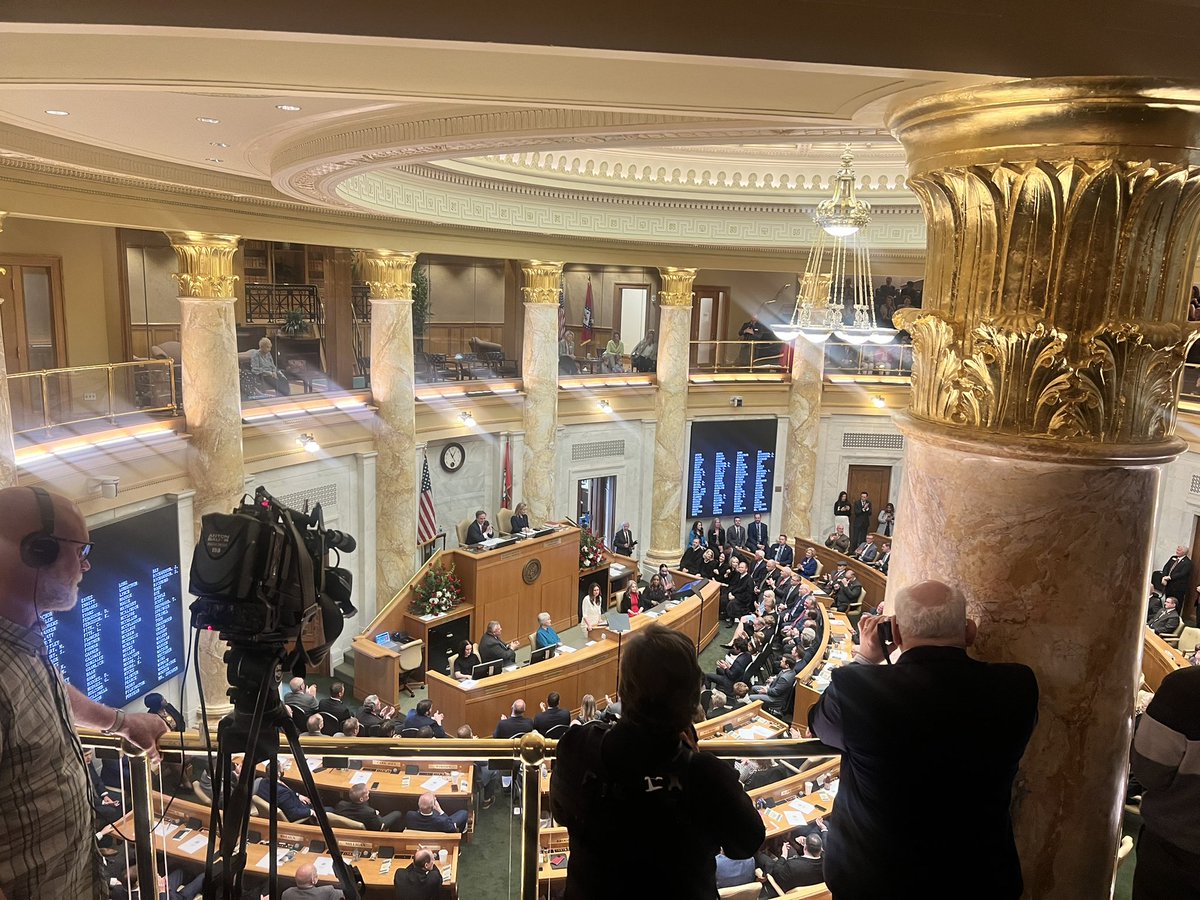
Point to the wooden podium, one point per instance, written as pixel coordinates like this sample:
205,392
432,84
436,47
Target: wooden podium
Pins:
510,584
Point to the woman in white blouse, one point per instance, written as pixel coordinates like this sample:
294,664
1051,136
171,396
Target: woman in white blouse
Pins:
593,608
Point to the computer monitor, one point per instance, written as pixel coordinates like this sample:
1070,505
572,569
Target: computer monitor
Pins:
483,670
542,654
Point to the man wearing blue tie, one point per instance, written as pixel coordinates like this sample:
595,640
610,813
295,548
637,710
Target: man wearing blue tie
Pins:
781,552
756,537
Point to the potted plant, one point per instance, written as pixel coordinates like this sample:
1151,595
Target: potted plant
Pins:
294,324
592,552
438,592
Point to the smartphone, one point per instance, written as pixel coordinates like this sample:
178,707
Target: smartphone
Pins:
375,786
385,867
885,632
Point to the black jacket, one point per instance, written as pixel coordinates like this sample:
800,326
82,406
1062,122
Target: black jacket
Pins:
548,718
756,536
475,534
514,725
613,780
491,647
416,883
336,708
936,717
360,812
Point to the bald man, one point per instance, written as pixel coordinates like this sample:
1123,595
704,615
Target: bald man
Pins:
421,880
47,826
930,746
307,888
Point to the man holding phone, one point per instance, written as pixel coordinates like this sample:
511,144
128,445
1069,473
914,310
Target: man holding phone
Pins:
930,746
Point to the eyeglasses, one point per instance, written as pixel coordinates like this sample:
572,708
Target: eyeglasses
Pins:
85,547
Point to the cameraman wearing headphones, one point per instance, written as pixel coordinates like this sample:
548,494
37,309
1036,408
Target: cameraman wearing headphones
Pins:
47,843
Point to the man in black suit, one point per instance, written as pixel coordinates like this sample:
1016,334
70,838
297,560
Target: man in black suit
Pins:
1153,606
479,530
335,704
693,557
861,522
867,551
848,593
420,880
716,535
357,808
730,673
1166,623
756,536
935,717
737,533
885,556
623,542
492,646
429,816
1173,578
799,868
551,715
516,724
776,692
781,552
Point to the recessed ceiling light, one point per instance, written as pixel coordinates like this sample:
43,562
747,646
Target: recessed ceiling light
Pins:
213,159
220,144
57,112
287,107
208,120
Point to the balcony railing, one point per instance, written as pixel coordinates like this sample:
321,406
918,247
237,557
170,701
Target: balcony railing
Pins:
52,397
271,303
868,360
739,357
148,823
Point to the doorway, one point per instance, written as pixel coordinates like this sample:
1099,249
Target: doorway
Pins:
876,481
709,321
631,313
34,325
596,505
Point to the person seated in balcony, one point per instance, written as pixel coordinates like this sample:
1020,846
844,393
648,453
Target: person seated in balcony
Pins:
838,540
262,365
566,355
614,353
645,353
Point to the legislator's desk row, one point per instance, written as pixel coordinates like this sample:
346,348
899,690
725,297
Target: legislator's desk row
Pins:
873,581
182,835
748,723
812,678
1159,659
590,669
396,784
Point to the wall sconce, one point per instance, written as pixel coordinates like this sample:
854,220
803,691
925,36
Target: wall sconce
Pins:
107,486
879,402
466,419
308,442
605,406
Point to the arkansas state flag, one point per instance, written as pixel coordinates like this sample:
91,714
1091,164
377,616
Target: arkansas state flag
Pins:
585,336
506,478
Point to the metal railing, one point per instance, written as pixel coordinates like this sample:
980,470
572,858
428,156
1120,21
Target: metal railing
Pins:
51,397
271,303
762,357
866,360
527,753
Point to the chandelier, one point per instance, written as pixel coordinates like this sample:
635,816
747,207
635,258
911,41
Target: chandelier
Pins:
835,295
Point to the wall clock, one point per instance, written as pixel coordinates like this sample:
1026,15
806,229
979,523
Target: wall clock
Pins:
453,457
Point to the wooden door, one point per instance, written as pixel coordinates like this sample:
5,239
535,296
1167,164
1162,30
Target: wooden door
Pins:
34,326
709,320
876,481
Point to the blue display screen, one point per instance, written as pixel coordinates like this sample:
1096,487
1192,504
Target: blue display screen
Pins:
732,468
125,636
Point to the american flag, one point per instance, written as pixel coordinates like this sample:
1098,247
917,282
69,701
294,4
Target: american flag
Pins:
426,515
562,309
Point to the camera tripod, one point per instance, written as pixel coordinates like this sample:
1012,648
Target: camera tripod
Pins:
253,729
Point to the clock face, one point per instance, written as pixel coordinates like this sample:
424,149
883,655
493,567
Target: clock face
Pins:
453,457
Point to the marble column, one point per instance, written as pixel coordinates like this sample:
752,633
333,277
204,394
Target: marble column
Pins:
539,371
211,405
804,421
1063,220
8,451
388,275
670,413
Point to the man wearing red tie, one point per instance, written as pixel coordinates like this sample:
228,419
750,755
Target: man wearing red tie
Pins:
1173,579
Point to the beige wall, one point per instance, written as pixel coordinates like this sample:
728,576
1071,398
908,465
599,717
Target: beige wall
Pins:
465,290
91,289
604,290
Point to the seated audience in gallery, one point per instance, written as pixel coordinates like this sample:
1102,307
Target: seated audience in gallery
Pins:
1166,623
867,551
781,551
808,565
838,540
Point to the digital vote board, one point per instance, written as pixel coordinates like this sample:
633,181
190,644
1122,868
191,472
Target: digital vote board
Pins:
731,470
125,636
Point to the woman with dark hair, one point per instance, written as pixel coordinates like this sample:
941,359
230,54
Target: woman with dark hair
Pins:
698,532
600,778
655,593
592,609
467,660
887,520
841,512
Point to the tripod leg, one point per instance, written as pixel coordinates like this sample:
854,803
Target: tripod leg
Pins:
273,826
349,877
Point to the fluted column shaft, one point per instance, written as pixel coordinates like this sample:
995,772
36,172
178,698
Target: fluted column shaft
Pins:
539,370
1063,218
804,422
388,275
211,404
670,413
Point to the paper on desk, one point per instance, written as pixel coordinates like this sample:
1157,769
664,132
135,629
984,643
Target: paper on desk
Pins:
563,648
361,776
435,783
428,617
324,865
266,860
164,829
469,683
589,643
795,818
192,844
801,805
511,668
314,763
760,732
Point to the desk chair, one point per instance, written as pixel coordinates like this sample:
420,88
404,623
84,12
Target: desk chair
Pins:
808,892
743,891
343,822
618,598
504,521
820,569
461,530
330,724
450,661
409,732
554,733
299,716
1173,639
1124,850
410,664
532,641
263,810
1188,640
200,795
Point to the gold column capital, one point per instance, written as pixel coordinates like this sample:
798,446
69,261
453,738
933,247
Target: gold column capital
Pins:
205,263
677,286
1063,218
387,273
542,280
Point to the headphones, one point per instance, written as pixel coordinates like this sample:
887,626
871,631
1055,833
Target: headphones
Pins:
39,549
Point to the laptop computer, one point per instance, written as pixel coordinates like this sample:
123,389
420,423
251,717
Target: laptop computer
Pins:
617,622
542,654
483,670
384,639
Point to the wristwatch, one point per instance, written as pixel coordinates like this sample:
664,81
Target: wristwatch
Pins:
118,722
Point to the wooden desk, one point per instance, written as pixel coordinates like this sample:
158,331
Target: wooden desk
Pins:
299,838
873,581
791,796
749,723
837,637
588,670
1159,659
551,842
390,790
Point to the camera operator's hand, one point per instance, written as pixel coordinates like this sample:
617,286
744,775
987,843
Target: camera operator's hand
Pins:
870,646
